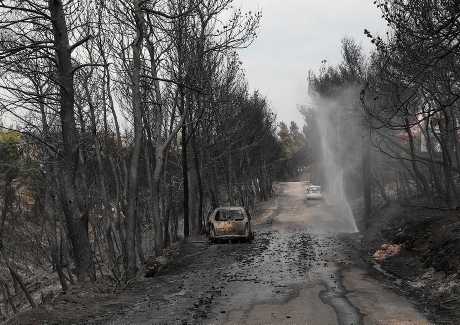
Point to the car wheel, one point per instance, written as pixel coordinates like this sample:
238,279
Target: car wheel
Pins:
212,235
247,233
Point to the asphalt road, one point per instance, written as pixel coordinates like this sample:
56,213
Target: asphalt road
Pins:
300,269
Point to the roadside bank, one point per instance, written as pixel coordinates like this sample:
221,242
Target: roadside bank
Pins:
417,250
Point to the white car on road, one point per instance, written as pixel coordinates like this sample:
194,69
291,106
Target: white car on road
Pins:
313,192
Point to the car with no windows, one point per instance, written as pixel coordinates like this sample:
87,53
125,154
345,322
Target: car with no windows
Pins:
230,223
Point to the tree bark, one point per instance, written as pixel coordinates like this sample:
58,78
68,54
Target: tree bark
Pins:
77,223
197,166
419,177
157,218
185,181
106,206
131,261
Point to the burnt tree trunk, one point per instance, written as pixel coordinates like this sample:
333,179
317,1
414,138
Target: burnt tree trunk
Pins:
419,177
196,160
106,206
77,222
185,181
156,200
130,260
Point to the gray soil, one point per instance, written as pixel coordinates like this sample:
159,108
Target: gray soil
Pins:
302,268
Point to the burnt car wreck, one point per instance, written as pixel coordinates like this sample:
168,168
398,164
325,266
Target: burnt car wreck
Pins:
230,223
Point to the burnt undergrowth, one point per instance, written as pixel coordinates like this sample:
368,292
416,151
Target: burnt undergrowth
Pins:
426,265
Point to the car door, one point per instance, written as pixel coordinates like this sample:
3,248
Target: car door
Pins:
239,221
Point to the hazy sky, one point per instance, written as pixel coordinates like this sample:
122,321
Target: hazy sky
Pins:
294,37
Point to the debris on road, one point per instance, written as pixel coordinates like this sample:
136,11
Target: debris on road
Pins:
155,264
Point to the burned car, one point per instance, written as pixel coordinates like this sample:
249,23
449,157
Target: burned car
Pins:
230,223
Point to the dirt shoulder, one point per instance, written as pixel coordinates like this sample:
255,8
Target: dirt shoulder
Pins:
416,248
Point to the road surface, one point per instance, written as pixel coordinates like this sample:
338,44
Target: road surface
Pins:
300,269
